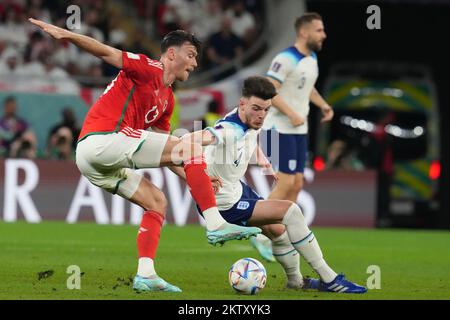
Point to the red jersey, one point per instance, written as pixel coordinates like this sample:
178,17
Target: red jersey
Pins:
136,98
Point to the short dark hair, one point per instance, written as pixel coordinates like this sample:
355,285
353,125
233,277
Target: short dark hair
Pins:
259,87
177,38
306,18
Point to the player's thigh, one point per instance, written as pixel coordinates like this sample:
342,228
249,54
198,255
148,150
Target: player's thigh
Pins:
105,152
269,212
151,151
128,184
298,181
122,181
177,150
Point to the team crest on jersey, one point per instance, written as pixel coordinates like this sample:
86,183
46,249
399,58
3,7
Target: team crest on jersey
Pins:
276,66
151,115
242,205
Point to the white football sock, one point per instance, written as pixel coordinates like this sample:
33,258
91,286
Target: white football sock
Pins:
146,268
213,219
305,243
288,257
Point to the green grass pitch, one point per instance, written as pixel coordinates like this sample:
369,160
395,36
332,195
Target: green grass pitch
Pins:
414,264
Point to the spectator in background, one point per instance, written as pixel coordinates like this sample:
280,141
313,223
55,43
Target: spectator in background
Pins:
12,128
178,14
25,146
224,46
43,72
37,10
85,62
208,20
138,45
13,30
10,63
242,22
35,46
89,26
63,136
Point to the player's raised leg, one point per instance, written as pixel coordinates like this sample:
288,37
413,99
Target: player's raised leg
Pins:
304,242
182,152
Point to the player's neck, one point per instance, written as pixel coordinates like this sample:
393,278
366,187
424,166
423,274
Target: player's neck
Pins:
302,48
168,75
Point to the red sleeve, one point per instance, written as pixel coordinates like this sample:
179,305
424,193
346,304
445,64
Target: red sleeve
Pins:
163,123
139,67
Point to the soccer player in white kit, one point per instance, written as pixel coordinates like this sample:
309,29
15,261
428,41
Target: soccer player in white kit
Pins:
230,146
294,72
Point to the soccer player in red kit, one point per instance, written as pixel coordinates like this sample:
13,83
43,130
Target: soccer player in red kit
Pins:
128,128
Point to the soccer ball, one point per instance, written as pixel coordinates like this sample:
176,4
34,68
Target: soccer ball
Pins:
247,276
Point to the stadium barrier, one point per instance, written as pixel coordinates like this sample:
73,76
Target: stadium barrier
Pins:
44,190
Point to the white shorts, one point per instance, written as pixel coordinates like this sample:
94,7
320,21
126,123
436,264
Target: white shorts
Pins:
108,160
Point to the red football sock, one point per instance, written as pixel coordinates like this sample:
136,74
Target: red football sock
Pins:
199,183
148,235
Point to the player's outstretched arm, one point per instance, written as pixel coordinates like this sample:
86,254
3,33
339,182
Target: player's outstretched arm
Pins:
109,54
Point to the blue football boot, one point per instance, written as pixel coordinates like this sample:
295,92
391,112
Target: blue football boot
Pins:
311,283
340,285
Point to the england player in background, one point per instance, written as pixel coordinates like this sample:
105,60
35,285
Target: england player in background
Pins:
230,146
293,72
128,128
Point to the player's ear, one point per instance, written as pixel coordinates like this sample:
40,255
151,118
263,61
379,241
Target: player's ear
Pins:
241,102
171,53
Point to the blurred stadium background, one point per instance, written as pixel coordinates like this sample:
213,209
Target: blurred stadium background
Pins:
381,163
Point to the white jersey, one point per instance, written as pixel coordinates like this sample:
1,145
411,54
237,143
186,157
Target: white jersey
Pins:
297,74
230,156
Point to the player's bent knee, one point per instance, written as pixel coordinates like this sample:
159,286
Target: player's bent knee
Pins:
273,231
150,198
158,202
293,213
282,208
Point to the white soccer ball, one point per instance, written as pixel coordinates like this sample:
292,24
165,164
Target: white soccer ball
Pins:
247,276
